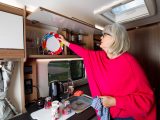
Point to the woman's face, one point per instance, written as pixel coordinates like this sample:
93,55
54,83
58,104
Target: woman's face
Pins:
106,41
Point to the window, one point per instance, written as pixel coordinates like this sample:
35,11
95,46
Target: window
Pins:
127,11
76,70
64,70
128,6
122,11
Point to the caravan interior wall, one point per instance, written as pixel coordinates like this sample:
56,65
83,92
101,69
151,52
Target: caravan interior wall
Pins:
145,46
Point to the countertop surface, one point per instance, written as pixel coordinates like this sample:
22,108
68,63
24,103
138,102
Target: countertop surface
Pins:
88,114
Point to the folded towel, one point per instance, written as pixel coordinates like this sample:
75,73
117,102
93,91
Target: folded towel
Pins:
103,112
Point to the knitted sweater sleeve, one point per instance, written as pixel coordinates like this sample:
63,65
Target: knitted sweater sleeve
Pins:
80,51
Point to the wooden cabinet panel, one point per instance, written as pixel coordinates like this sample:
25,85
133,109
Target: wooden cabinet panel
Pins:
11,53
145,46
11,32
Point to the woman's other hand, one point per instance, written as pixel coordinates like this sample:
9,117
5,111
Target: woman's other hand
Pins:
108,101
65,42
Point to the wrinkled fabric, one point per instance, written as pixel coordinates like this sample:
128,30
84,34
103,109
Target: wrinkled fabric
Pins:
5,111
6,68
102,111
1,81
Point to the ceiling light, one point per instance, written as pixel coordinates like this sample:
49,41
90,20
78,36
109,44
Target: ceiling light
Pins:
130,5
99,27
103,8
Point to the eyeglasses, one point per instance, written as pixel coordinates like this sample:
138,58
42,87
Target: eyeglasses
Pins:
104,34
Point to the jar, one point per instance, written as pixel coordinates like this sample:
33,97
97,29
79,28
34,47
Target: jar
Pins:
73,38
67,108
80,37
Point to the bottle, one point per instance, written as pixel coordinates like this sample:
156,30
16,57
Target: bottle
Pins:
80,38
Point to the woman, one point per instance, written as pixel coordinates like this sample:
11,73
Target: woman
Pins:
116,77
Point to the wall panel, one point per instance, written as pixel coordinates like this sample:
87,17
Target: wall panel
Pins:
145,46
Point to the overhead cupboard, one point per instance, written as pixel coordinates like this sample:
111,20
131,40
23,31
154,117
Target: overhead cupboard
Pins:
11,35
43,20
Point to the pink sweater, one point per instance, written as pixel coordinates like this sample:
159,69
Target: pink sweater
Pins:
122,78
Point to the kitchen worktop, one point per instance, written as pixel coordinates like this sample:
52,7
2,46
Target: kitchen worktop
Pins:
88,114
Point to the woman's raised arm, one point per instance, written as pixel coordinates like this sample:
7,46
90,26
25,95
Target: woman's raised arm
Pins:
80,51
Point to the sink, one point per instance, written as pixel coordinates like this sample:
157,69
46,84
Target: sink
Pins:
80,103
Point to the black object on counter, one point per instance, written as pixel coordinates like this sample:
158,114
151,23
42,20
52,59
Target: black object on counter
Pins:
40,102
56,89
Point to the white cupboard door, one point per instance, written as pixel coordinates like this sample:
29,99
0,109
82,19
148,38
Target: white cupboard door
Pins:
11,31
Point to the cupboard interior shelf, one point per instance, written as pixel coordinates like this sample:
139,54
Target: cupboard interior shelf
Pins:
52,56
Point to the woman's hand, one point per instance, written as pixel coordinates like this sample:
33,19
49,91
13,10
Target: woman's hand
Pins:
108,101
65,42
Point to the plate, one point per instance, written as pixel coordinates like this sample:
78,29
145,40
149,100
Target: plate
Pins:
52,44
80,103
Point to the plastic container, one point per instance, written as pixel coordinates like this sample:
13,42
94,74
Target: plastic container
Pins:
47,103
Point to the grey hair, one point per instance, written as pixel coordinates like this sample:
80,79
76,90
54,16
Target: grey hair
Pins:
120,36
